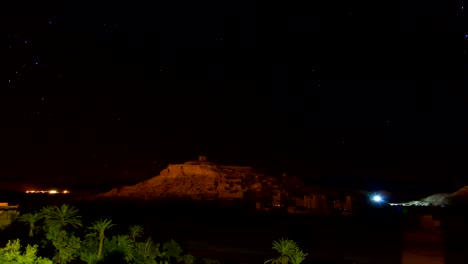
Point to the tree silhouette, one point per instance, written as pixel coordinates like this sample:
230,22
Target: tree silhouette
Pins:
146,252
12,254
172,250
56,220
135,231
119,245
61,217
286,248
89,249
296,256
100,226
66,246
31,219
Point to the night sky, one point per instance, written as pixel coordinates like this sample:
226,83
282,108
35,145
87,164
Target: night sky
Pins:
358,93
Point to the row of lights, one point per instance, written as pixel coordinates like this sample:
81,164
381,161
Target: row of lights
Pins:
49,192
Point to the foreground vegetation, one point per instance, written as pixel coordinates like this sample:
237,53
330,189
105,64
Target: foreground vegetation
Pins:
63,239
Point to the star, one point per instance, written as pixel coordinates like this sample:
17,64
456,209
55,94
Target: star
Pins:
387,123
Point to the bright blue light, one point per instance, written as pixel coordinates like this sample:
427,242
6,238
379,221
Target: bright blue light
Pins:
377,198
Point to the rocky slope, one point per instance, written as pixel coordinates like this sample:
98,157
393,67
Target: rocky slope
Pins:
196,180
459,197
439,199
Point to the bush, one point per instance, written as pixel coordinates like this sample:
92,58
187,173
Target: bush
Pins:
11,254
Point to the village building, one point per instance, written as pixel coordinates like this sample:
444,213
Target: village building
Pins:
8,214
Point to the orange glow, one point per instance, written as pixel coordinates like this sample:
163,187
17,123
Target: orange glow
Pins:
49,191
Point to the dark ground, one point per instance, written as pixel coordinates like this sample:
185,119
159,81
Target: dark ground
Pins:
233,235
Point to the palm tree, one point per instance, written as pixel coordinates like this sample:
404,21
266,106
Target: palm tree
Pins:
88,249
121,245
46,211
147,252
101,226
61,217
134,232
31,219
285,248
88,257
172,250
297,256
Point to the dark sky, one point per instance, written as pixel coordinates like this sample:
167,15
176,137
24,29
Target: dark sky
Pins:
356,92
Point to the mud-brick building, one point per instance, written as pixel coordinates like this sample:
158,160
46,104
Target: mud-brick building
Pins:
8,213
325,201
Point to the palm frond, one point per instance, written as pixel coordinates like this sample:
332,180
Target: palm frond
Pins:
61,217
297,256
284,247
30,218
101,225
135,231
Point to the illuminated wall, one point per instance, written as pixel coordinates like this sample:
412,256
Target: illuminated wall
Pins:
7,216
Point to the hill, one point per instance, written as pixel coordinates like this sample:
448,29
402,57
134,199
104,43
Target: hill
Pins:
200,180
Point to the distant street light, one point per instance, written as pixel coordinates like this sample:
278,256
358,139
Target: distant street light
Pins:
377,198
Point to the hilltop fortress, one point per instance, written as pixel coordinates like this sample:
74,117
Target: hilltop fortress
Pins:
194,179
202,180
